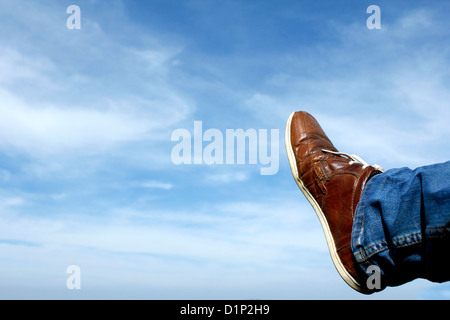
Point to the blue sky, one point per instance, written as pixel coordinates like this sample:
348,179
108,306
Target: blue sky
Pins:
85,139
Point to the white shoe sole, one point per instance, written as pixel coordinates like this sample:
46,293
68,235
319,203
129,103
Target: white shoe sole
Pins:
326,229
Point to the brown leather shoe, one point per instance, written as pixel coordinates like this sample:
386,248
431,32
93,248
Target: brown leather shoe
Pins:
332,182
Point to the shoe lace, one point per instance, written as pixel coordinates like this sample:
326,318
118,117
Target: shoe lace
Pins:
355,159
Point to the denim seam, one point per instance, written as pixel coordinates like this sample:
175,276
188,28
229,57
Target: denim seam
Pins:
365,254
359,238
362,255
439,228
417,238
437,233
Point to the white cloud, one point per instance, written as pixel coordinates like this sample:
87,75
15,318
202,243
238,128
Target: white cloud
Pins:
17,67
9,202
151,184
53,102
268,226
415,21
53,129
227,177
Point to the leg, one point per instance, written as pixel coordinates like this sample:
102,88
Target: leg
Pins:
402,225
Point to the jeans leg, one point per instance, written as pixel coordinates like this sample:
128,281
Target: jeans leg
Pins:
402,225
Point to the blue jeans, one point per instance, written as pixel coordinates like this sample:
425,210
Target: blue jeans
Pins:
402,225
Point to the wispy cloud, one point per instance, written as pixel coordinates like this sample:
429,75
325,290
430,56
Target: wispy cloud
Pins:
227,177
10,202
58,129
65,108
153,185
19,243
